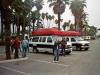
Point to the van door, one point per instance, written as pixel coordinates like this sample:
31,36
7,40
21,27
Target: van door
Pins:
45,43
75,44
73,41
50,42
33,41
42,42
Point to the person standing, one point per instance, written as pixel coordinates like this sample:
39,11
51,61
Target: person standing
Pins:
56,50
63,46
16,46
25,46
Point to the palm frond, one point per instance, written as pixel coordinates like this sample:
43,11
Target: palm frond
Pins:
52,4
51,0
66,2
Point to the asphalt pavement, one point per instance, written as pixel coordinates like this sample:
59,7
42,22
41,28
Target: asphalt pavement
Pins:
78,63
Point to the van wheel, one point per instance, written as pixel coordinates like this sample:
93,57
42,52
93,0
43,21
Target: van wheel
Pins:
78,48
86,49
35,50
68,52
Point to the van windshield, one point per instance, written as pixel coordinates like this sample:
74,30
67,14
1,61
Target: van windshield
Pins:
80,39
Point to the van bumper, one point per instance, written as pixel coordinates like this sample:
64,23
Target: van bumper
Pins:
68,49
84,47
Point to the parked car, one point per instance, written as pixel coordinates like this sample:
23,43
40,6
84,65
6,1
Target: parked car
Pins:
78,43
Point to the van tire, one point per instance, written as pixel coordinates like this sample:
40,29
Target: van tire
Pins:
68,52
35,50
86,49
78,48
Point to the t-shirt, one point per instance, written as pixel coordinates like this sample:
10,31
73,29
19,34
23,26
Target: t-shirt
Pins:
24,43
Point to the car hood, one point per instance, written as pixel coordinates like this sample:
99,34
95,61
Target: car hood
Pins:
83,42
68,43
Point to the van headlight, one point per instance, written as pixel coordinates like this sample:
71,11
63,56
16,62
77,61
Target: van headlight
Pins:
69,46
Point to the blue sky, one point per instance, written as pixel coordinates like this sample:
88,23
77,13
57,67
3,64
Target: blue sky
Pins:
92,9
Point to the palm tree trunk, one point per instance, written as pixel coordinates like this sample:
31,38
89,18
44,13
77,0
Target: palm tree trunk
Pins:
7,21
18,26
85,31
38,24
13,28
33,23
80,27
33,26
7,16
2,23
59,21
75,24
23,28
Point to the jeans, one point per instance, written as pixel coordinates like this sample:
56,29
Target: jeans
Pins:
24,51
63,51
16,54
56,55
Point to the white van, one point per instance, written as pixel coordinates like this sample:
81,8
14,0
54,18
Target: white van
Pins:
46,43
78,43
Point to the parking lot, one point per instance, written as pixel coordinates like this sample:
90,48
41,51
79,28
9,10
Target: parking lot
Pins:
77,63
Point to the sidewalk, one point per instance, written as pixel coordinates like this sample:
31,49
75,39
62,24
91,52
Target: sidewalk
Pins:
2,53
3,56
3,60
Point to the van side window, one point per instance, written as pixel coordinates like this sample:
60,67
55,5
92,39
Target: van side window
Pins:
43,39
49,40
40,39
67,39
30,39
73,40
35,39
26,37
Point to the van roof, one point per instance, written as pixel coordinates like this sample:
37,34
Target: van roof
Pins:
47,31
53,31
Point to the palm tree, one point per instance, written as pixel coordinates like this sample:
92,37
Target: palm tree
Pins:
72,27
84,24
92,31
2,23
77,9
22,10
65,25
36,14
35,17
85,30
17,7
58,8
38,19
43,17
49,20
7,21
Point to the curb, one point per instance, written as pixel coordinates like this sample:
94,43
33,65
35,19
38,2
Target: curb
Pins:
14,60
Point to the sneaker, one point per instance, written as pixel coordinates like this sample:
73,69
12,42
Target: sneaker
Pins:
54,61
57,61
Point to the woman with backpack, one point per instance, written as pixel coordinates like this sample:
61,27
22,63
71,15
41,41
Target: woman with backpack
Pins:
25,46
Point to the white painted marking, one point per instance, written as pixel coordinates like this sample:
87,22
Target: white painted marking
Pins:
14,70
12,60
52,63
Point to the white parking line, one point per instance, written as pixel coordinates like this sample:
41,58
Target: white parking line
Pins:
52,63
14,70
